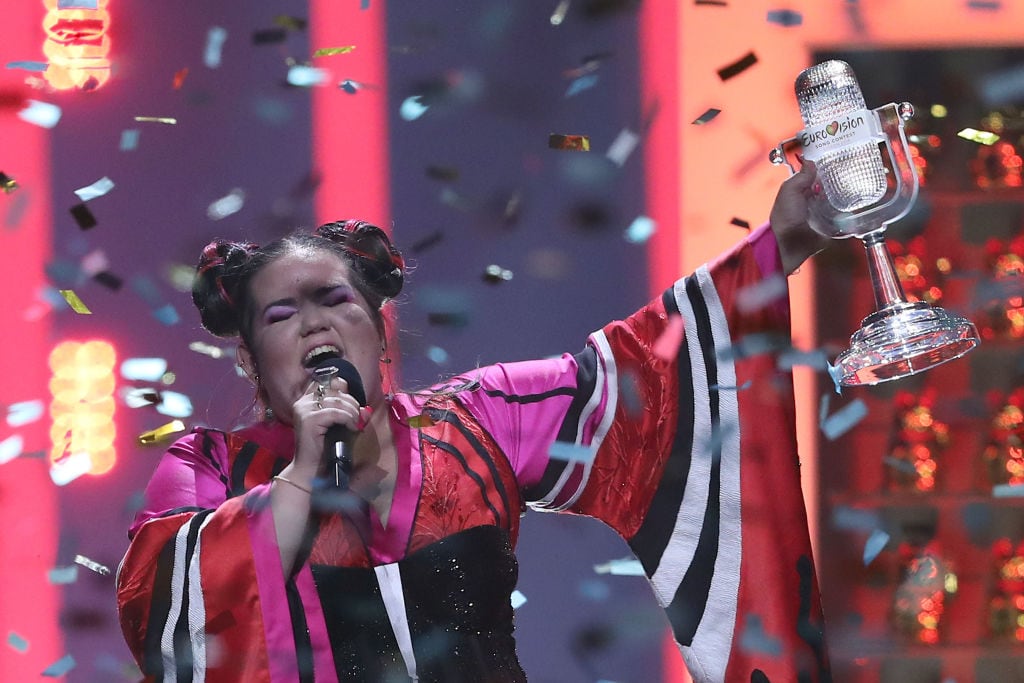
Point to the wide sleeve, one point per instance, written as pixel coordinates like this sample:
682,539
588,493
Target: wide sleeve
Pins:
200,591
685,444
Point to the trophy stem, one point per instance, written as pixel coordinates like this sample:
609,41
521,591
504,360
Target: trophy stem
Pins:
885,283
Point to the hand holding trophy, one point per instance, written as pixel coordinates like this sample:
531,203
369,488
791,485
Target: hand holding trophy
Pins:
868,181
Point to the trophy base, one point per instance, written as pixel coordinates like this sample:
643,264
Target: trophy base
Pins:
902,340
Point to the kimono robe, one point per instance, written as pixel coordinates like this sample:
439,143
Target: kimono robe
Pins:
689,456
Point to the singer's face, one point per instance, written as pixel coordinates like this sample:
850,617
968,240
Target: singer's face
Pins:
305,305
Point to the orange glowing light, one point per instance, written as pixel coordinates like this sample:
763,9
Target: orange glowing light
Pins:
77,46
82,405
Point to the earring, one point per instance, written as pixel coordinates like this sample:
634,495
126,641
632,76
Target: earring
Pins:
268,414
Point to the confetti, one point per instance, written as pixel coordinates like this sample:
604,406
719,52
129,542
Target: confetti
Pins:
571,452
16,642
78,4
207,349
7,183
170,121
167,314
707,116
160,433
174,404
755,640
761,294
420,421
874,545
844,419
349,86
179,78
230,203
846,518
27,66
558,16
140,397
572,143
739,66
1003,87
144,369
94,566
61,576
69,468
443,173
580,84
437,355
268,36
982,137
754,345
10,448
129,139
730,387
76,304
1008,490
640,230
304,76
716,3
785,17
628,566
985,4
42,114
215,38
495,274
666,347
518,599
623,145
108,280
790,358
60,667
290,22
329,51
899,465
24,412
97,189
412,108
740,223
94,262
837,376
83,216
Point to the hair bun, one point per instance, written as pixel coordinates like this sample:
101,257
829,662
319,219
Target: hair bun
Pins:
214,288
379,263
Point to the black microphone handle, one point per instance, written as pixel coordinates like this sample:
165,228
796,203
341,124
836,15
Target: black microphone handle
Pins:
337,455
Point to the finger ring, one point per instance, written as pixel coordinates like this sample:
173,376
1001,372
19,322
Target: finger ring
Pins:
319,405
319,392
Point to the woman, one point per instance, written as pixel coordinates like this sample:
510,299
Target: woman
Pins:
249,563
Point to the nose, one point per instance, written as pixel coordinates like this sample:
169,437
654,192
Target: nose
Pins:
312,319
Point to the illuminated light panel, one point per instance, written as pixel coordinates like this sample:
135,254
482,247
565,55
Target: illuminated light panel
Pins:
82,403
77,46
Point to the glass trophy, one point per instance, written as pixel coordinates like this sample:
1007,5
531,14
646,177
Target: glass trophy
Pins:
900,338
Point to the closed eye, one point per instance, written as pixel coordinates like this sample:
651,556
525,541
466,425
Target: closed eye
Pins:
334,296
276,314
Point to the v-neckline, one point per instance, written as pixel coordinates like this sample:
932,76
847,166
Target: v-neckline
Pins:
388,543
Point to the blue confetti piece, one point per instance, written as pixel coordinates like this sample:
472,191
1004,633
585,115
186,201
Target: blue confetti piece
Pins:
517,599
628,566
726,387
844,419
754,639
836,374
27,66
78,4
793,357
875,544
147,289
11,448
129,139
413,108
349,86
42,114
900,465
17,643
144,369
985,4
594,590
571,452
785,17
16,210
24,412
167,314
174,404
853,519
580,84
640,230
1008,490
215,38
306,76
60,576
438,355
60,667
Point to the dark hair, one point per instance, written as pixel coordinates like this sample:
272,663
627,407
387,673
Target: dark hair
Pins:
220,289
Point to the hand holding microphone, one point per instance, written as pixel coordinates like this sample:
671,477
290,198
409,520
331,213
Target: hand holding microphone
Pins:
336,452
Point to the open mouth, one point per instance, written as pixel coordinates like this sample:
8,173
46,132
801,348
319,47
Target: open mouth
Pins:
319,353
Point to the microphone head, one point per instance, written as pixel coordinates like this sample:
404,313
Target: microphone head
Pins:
347,372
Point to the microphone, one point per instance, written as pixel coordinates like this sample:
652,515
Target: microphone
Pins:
336,449
837,137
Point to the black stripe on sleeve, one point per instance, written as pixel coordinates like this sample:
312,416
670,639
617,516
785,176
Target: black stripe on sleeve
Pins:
654,534
529,398
159,607
206,450
451,450
690,601
241,466
586,384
